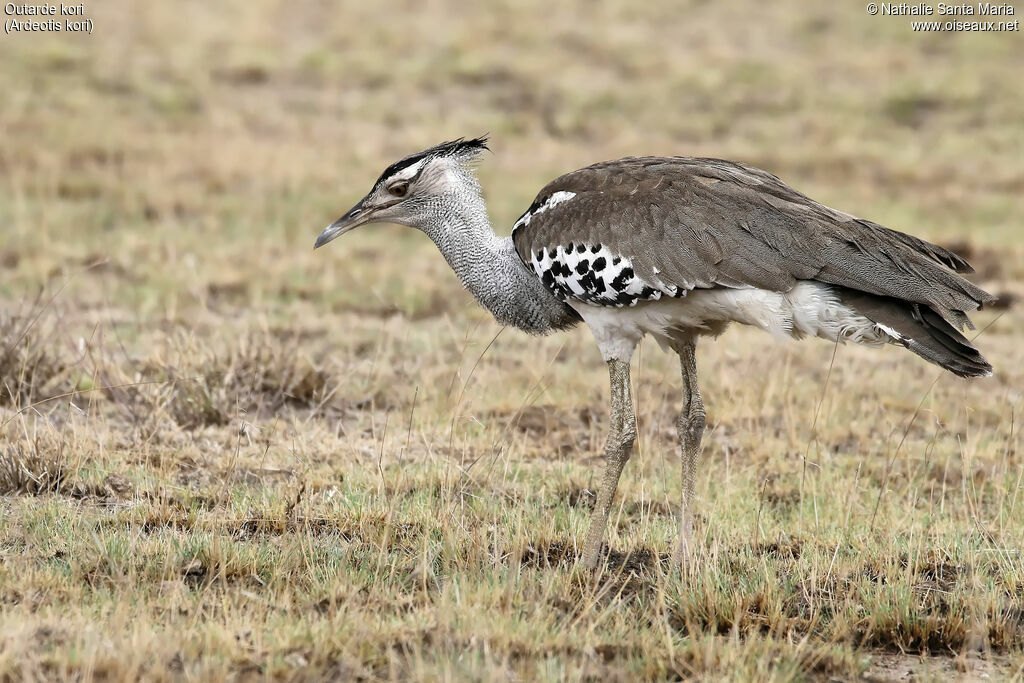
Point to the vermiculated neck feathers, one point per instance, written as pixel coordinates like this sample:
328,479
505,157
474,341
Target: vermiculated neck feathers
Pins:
490,268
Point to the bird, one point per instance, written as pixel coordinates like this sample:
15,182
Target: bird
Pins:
677,248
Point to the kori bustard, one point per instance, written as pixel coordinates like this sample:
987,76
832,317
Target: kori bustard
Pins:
678,248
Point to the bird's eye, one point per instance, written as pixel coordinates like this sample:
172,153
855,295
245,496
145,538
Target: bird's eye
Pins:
399,189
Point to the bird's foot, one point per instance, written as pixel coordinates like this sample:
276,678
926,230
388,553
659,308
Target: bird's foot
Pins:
683,556
685,549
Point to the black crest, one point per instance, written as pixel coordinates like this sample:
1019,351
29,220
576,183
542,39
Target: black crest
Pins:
460,148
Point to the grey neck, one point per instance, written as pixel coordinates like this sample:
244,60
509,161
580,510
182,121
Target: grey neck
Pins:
490,268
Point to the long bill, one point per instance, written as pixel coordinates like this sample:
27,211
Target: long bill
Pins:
353,218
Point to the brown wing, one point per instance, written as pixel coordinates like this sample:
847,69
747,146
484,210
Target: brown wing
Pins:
689,222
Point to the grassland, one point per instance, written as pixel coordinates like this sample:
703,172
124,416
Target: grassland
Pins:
226,457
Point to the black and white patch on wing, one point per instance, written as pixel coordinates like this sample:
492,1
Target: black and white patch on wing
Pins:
593,274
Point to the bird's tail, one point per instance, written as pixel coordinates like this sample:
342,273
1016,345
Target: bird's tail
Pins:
921,329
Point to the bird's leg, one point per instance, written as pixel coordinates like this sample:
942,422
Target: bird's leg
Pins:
690,427
618,448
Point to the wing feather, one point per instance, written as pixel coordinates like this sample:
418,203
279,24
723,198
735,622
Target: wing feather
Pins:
692,222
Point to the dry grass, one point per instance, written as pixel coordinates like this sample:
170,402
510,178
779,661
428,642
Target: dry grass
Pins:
28,363
33,468
224,456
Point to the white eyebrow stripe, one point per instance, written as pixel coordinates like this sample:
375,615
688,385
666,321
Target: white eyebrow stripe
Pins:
408,171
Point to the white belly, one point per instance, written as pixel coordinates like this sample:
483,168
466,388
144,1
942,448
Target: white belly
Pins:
809,309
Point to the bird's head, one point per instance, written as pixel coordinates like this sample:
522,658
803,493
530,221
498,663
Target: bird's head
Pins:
412,190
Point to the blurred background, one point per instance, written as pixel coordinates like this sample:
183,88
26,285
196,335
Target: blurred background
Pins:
169,338
195,145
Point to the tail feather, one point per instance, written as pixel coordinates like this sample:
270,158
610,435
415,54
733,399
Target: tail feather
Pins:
920,329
